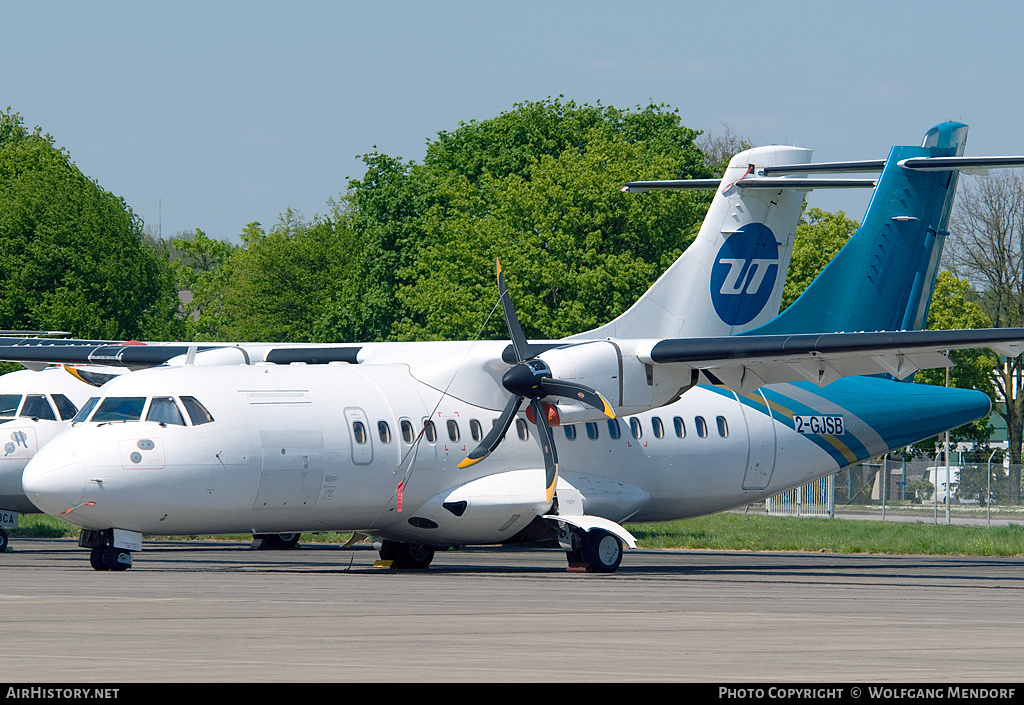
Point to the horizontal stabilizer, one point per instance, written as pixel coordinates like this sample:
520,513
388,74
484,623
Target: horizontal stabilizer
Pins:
825,167
971,165
748,183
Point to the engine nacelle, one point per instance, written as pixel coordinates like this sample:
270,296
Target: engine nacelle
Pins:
613,369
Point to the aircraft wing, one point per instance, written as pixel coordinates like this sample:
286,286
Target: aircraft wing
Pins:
744,363
38,352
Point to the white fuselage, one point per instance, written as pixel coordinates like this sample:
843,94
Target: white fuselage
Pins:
338,447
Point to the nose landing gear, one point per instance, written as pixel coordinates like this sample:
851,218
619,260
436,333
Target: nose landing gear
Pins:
110,558
110,549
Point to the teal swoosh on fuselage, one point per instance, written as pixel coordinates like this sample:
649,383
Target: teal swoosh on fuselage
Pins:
879,414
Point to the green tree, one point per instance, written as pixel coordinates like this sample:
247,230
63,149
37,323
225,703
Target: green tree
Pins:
71,254
952,308
819,237
539,187
276,286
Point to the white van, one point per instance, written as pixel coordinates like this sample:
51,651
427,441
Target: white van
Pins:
937,476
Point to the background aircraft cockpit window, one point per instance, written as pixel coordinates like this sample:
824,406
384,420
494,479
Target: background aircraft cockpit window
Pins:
9,404
408,433
384,431
570,432
163,410
36,407
453,430
119,409
84,412
723,427
65,407
196,411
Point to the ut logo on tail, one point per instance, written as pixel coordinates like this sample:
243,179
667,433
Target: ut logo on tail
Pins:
744,273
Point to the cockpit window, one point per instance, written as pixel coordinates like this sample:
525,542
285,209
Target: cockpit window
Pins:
164,410
84,412
119,409
9,404
36,407
65,407
196,411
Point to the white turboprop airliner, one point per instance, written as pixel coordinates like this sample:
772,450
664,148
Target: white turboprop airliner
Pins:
770,214
405,443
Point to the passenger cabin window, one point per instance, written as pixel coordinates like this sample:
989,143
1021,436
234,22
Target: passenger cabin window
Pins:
723,427
680,427
702,426
476,430
570,432
119,409
163,410
65,407
453,430
9,404
359,432
613,428
384,431
634,427
36,407
430,431
521,429
196,411
592,430
408,432
658,427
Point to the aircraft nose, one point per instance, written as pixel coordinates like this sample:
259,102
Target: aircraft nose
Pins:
54,480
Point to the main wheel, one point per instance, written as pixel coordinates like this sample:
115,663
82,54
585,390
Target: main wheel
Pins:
602,551
415,556
279,540
96,558
117,558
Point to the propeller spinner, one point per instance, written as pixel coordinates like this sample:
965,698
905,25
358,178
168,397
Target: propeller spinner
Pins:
530,378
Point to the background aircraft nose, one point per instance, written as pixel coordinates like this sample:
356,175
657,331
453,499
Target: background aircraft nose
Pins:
54,480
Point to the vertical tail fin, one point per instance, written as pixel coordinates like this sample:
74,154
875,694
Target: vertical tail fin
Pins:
731,277
883,278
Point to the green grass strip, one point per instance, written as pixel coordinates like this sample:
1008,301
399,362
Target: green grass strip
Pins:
732,532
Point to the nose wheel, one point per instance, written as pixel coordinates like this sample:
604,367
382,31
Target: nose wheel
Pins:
110,558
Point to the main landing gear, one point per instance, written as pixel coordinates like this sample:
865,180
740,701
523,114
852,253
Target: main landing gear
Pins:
275,541
596,550
416,556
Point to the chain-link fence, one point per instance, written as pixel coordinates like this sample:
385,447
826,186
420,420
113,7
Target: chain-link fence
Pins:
976,488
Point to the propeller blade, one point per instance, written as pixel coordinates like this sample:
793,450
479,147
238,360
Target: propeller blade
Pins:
547,444
573,390
515,331
497,432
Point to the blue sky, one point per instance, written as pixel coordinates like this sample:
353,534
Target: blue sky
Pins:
215,114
